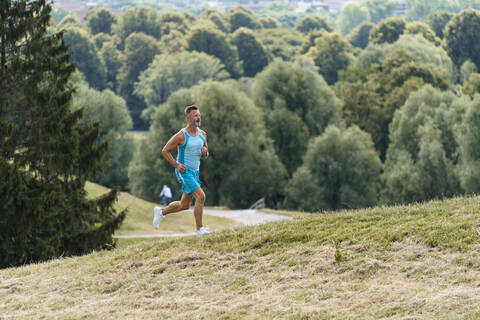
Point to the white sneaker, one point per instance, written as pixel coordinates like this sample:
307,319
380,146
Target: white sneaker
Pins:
202,230
157,216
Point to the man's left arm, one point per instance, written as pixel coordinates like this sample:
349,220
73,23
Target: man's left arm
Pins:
205,146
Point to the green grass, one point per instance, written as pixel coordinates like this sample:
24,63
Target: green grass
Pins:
140,215
408,262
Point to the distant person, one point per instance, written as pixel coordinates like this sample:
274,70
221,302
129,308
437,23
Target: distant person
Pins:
166,195
191,144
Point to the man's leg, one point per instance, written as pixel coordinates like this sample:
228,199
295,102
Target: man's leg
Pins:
176,206
198,209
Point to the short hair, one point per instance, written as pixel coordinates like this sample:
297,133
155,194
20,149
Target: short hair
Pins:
188,109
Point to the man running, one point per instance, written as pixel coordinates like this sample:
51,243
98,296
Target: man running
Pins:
191,144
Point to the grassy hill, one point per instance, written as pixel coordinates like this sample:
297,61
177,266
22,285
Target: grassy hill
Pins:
409,262
140,215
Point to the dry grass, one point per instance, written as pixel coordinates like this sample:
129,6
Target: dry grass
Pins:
140,214
333,266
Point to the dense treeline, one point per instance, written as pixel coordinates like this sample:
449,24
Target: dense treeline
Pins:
312,111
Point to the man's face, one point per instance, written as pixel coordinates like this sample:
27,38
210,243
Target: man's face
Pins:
194,118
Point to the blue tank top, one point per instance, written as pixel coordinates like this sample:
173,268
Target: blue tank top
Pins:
189,153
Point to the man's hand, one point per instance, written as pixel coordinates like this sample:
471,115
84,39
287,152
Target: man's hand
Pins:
204,152
180,168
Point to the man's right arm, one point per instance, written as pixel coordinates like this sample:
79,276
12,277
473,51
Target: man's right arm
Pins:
175,141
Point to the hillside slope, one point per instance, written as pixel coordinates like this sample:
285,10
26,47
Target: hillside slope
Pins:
410,262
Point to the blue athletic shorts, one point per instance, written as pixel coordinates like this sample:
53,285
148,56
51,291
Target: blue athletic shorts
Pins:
189,180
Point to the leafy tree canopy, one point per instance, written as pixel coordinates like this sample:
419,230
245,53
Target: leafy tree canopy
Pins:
100,20
341,171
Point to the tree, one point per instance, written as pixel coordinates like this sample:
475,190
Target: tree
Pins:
423,29
352,15
358,37
294,90
388,30
169,73
111,111
468,68
140,50
380,9
85,55
462,38
242,17
467,134
472,86
270,23
384,83
174,21
438,20
47,155
112,58
204,38
70,21
238,172
136,20
282,42
341,170
421,157
251,52
331,53
100,20
310,23
214,16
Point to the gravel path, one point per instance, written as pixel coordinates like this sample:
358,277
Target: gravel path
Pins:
246,217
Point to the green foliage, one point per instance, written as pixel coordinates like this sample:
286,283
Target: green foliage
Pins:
417,45
421,157
251,52
242,17
310,23
467,69
380,9
352,15
388,30
174,22
47,155
438,20
171,72
70,21
461,37
86,57
358,37
468,135
281,42
472,86
423,29
330,53
100,38
270,23
238,172
100,20
295,90
112,58
341,170
136,20
217,18
140,50
204,38
111,111
385,81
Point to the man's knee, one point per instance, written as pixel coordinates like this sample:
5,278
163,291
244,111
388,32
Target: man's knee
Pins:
184,205
200,196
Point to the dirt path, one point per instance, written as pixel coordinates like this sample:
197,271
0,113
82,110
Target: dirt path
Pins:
246,217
